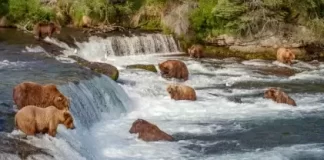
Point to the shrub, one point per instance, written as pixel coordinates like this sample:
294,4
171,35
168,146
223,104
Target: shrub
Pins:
23,11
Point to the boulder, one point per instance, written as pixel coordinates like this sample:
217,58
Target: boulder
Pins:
13,147
102,68
148,67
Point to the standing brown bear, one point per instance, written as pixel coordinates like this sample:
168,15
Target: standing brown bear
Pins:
32,120
42,29
181,92
279,96
174,69
30,93
285,55
196,51
148,131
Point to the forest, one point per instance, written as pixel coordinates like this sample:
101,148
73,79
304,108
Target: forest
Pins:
202,19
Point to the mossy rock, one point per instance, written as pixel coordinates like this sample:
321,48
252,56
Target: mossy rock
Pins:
258,53
148,67
224,52
102,68
106,69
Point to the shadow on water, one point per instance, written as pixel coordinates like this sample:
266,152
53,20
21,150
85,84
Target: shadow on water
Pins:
297,86
19,148
254,136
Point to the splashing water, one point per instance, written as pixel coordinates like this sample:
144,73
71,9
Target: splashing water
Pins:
213,127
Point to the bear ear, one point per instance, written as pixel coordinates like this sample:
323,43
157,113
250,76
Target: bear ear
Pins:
59,98
139,121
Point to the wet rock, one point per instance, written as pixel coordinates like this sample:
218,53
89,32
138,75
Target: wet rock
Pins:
283,72
148,131
234,99
18,148
103,68
251,49
148,67
314,62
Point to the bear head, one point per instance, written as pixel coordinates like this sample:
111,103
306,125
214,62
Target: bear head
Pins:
55,28
61,102
290,54
68,120
138,126
171,89
271,93
163,69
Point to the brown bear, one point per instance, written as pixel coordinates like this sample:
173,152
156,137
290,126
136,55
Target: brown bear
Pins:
196,51
174,69
285,55
48,29
149,132
32,120
181,92
30,93
279,96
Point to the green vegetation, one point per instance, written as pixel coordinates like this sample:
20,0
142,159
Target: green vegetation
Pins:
251,18
200,19
28,11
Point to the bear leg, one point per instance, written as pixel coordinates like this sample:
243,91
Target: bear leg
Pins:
52,129
52,132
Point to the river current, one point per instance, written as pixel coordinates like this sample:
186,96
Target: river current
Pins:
229,121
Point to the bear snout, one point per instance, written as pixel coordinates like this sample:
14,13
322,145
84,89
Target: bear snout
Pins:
132,130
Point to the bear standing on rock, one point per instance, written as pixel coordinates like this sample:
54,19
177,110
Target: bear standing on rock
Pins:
149,132
48,29
30,93
196,51
278,96
285,55
181,92
174,69
32,120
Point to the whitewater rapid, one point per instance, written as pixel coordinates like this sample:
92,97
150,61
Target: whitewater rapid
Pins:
213,127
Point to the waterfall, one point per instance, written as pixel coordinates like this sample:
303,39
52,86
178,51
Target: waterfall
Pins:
99,49
91,98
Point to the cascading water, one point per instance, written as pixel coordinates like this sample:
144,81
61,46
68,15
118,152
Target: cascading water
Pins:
103,48
91,98
213,127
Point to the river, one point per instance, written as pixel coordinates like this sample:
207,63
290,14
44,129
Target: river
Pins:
230,119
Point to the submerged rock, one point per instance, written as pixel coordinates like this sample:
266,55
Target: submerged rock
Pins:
148,67
103,68
13,147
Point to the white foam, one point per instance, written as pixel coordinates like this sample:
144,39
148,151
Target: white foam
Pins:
278,153
258,62
110,139
34,49
8,65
